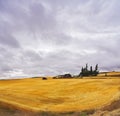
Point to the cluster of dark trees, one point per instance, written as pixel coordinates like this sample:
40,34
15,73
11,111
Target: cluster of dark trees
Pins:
89,72
85,71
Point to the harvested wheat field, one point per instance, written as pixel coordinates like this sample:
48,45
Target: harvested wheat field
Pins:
59,95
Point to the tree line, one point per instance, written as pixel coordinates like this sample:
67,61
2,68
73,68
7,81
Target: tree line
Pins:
85,71
89,72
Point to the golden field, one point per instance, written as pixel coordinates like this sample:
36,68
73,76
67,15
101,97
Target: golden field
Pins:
59,95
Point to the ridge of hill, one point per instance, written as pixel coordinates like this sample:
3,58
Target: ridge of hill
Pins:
60,95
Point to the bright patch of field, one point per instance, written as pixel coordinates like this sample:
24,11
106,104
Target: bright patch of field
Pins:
59,95
109,74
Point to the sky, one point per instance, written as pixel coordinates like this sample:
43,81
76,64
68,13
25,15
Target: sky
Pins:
52,37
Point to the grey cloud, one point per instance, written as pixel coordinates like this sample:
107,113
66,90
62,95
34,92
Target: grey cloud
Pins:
9,41
51,37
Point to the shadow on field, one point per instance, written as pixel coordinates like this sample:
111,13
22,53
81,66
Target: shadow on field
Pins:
113,106
7,110
15,112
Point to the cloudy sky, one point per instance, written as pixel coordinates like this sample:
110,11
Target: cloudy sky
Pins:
51,37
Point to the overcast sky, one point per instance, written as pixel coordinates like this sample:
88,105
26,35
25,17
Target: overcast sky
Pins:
51,37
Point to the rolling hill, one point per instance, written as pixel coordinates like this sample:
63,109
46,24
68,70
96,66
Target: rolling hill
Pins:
58,95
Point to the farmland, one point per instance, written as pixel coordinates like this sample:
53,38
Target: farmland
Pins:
59,95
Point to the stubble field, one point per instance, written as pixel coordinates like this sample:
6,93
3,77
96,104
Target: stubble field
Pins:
59,95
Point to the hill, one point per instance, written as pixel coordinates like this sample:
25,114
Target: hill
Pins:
58,95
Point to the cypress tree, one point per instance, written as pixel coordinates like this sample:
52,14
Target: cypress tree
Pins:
96,67
91,69
86,67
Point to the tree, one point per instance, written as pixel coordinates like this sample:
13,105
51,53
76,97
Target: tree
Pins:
91,72
86,67
82,70
96,67
96,70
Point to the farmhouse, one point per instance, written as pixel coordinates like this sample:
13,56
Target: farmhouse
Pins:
62,76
